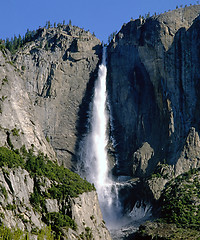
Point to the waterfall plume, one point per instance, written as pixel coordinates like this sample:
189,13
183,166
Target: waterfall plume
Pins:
93,149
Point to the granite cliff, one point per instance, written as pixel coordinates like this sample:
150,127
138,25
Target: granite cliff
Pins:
153,87
59,69
153,90
46,87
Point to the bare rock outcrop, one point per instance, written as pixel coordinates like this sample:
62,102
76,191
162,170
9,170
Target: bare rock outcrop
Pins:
153,86
86,213
59,69
19,124
17,210
45,91
141,160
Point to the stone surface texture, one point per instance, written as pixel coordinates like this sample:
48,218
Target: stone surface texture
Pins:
153,87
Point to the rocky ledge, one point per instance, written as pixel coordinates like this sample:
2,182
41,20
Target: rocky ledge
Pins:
40,199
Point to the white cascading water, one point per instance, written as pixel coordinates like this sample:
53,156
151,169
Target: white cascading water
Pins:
93,150
94,162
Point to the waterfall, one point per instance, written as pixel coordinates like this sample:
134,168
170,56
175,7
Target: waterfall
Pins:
93,148
93,164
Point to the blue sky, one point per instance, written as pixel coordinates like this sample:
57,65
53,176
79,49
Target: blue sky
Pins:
101,17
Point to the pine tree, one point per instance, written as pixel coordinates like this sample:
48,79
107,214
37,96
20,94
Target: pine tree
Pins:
19,41
28,36
48,24
15,43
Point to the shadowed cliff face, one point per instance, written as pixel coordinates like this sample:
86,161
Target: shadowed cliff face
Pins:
153,85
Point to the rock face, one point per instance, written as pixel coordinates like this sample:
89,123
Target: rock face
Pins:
59,69
18,122
16,210
86,213
45,90
153,86
15,200
141,159
153,89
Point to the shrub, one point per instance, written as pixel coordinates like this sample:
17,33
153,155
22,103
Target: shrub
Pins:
58,221
15,132
11,207
17,234
3,191
88,233
10,158
5,80
180,201
47,138
65,184
23,68
14,234
69,183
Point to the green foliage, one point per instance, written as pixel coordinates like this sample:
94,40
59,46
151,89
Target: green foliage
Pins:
37,199
3,98
58,221
2,44
5,80
15,132
156,175
45,234
16,234
88,233
47,46
70,183
23,151
59,26
111,36
3,191
48,24
161,171
65,184
180,200
11,207
9,140
10,158
24,220
15,43
147,15
23,68
47,138
2,216
11,63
